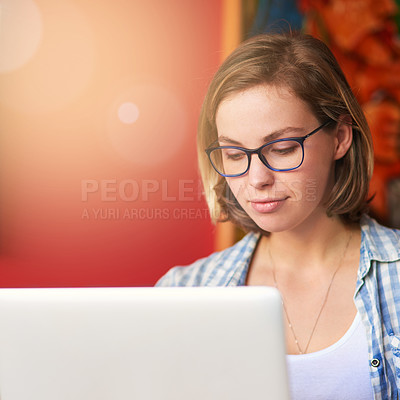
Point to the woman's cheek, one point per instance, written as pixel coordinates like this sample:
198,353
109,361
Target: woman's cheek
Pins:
238,188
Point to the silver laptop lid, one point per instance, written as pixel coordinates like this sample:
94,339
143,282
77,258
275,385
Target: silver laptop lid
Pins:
142,343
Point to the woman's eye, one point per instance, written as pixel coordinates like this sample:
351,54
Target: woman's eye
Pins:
234,155
284,149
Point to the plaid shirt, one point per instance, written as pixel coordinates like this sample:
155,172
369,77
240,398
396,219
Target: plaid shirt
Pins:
377,295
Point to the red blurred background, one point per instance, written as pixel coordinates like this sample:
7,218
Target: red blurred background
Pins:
98,107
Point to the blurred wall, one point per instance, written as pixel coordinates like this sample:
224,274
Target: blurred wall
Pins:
99,103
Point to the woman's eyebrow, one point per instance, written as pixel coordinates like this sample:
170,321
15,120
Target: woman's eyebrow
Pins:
225,139
271,136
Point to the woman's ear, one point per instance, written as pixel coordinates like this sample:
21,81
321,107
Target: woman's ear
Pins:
343,136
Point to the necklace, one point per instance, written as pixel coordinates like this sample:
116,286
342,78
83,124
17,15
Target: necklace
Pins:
323,303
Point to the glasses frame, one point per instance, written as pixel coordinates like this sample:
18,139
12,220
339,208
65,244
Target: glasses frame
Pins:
258,151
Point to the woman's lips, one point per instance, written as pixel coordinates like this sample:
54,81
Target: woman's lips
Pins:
267,206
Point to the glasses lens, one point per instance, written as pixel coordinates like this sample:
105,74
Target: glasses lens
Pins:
229,160
284,154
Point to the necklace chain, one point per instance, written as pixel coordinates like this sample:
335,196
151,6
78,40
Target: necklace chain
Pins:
323,303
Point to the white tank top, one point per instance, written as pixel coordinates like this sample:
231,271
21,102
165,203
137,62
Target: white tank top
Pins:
339,372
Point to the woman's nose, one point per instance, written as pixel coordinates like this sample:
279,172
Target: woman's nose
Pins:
259,175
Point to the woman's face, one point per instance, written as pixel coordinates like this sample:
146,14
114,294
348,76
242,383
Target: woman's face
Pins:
278,201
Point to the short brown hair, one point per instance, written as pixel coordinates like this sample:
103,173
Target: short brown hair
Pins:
308,69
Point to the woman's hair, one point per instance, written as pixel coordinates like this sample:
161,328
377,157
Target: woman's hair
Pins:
306,67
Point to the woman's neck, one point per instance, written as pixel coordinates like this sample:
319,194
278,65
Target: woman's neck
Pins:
308,247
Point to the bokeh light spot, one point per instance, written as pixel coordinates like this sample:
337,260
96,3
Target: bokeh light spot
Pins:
20,33
158,134
128,113
62,67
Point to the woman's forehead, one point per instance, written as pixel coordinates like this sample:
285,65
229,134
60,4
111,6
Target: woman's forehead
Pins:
263,107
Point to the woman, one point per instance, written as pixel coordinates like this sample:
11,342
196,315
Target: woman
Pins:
285,152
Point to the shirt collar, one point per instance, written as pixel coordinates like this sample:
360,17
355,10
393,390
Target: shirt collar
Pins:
378,243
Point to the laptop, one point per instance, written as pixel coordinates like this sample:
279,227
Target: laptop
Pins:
142,344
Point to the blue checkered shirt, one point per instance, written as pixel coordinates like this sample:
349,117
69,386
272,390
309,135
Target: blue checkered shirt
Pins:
377,295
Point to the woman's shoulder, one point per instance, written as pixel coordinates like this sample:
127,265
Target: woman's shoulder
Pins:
222,268
381,243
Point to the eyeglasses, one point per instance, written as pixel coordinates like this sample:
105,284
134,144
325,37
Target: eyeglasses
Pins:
279,155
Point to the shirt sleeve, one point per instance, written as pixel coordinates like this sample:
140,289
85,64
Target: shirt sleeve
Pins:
170,278
222,268
191,275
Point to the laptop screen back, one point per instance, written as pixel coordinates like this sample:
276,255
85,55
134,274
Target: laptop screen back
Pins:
142,343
